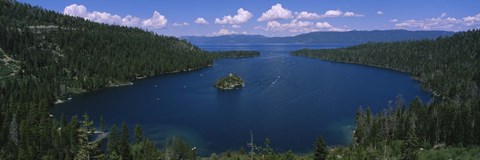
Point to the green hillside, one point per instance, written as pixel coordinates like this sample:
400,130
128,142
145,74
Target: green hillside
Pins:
47,56
449,67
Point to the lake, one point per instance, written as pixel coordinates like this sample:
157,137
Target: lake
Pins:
288,99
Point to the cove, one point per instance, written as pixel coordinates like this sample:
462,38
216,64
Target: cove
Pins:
288,99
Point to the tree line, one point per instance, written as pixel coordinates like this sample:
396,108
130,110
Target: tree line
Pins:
447,66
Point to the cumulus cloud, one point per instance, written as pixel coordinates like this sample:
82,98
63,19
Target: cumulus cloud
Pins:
329,13
242,17
442,22
227,32
394,20
200,20
157,20
307,15
323,25
297,26
333,13
379,12
181,24
275,13
75,10
472,20
352,14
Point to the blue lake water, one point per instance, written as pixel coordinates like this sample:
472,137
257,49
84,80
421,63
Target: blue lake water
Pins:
288,99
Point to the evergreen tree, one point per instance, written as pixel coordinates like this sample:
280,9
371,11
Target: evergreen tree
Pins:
87,149
113,140
321,151
123,144
138,134
410,145
267,151
177,149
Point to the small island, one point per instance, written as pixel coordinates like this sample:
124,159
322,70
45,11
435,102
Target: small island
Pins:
229,82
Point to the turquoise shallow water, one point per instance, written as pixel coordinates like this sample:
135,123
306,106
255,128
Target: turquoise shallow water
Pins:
288,99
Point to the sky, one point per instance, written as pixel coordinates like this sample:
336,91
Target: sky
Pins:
270,17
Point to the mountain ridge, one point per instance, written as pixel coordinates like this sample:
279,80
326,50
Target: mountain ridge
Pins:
324,37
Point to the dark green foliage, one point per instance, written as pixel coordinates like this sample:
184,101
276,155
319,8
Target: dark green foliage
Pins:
447,66
124,144
410,145
177,149
235,54
321,150
113,140
145,150
138,134
267,152
45,56
229,82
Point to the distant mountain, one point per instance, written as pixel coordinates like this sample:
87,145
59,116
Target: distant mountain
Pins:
324,37
236,38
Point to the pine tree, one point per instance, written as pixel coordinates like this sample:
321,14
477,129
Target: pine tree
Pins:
138,134
123,144
87,149
321,151
410,145
267,151
112,144
359,130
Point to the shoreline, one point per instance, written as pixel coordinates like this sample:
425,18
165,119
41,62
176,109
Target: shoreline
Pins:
129,83
431,91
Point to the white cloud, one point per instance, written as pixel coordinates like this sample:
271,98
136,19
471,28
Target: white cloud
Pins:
352,14
242,17
201,20
442,22
181,24
329,13
333,13
75,10
297,26
472,20
394,20
323,25
157,21
224,31
104,17
276,12
307,15
131,21
236,26
379,12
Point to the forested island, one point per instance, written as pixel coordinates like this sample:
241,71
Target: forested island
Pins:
235,54
447,66
229,82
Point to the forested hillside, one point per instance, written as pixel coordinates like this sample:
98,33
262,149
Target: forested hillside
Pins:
45,56
448,66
